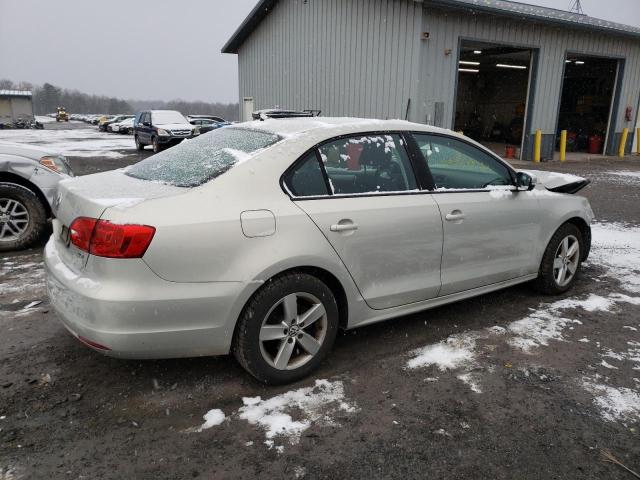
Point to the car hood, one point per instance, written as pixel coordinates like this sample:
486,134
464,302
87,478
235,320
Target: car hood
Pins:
558,182
175,126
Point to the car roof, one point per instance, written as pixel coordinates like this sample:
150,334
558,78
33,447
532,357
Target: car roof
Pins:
338,125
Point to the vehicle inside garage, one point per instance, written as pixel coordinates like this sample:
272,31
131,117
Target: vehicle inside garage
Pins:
587,96
492,95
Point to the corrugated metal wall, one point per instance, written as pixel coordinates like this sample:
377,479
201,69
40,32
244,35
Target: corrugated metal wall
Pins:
366,58
345,57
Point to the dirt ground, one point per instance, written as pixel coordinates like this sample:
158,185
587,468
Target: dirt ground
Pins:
535,386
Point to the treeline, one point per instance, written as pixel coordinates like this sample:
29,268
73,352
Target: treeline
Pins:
47,97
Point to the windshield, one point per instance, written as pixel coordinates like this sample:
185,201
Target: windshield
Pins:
167,116
204,158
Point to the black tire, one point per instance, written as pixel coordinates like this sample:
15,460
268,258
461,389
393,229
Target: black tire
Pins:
157,148
246,341
37,217
546,282
139,144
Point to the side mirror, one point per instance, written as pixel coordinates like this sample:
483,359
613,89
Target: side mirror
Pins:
146,124
525,182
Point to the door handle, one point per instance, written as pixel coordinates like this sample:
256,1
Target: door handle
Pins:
344,227
455,216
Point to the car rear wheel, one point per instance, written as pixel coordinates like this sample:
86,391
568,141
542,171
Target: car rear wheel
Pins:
561,261
23,218
287,329
139,144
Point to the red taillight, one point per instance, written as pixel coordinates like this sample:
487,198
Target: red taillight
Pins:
80,232
105,239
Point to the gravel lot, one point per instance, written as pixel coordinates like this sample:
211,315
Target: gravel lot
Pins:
507,385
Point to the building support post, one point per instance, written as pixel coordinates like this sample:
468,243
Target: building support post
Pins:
537,148
563,145
623,142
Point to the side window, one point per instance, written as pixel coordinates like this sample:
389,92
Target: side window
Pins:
306,179
368,164
146,117
458,165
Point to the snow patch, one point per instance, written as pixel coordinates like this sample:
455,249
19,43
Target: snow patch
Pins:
615,404
311,405
456,352
211,419
617,248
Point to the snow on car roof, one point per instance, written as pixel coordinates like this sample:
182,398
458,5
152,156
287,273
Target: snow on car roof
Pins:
334,125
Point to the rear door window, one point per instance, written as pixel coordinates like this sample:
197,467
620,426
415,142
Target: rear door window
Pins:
365,164
306,179
204,158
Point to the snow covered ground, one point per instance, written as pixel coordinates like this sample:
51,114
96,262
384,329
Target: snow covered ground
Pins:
616,247
74,142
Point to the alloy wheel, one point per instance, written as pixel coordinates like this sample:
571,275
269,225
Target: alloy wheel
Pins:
293,331
566,260
14,219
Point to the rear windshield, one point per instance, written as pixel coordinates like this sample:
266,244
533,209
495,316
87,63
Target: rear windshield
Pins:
194,162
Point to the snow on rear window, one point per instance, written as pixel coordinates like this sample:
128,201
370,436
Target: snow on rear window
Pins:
204,158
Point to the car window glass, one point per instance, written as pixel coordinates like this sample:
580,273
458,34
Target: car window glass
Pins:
203,158
368,164
306,179
457,165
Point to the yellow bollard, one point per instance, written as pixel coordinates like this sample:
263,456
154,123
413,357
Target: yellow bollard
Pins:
563,145
623,142
537,147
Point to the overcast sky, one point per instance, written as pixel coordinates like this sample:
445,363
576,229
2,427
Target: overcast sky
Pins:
152,50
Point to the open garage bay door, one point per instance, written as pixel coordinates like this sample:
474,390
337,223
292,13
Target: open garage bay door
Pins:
492,95
587,100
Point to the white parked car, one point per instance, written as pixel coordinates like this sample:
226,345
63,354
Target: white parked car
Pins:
126,126
264,238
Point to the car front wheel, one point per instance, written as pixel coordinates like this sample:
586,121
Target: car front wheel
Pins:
561,261
23,218
157,148
286,329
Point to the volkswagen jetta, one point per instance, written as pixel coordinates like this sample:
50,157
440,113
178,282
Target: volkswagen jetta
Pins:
264,238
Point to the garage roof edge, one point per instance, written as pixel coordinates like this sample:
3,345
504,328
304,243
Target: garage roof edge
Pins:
498,7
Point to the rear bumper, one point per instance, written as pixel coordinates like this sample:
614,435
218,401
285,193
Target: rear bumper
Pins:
123,306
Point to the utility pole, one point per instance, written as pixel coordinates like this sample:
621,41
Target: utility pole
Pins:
576,7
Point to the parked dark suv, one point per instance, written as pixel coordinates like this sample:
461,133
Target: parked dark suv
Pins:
162,129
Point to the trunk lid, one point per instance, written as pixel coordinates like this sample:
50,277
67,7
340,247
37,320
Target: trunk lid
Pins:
90,196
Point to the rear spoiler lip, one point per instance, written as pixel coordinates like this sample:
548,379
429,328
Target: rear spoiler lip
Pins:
571,188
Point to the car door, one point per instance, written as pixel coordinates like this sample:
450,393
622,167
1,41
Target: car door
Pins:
489,227
361,193
144,131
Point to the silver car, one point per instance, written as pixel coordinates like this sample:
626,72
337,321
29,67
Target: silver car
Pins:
28,181
264,238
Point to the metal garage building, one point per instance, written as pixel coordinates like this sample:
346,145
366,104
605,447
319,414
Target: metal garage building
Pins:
497,70
15,105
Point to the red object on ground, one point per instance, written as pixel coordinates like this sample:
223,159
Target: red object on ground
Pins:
510,152
595,144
